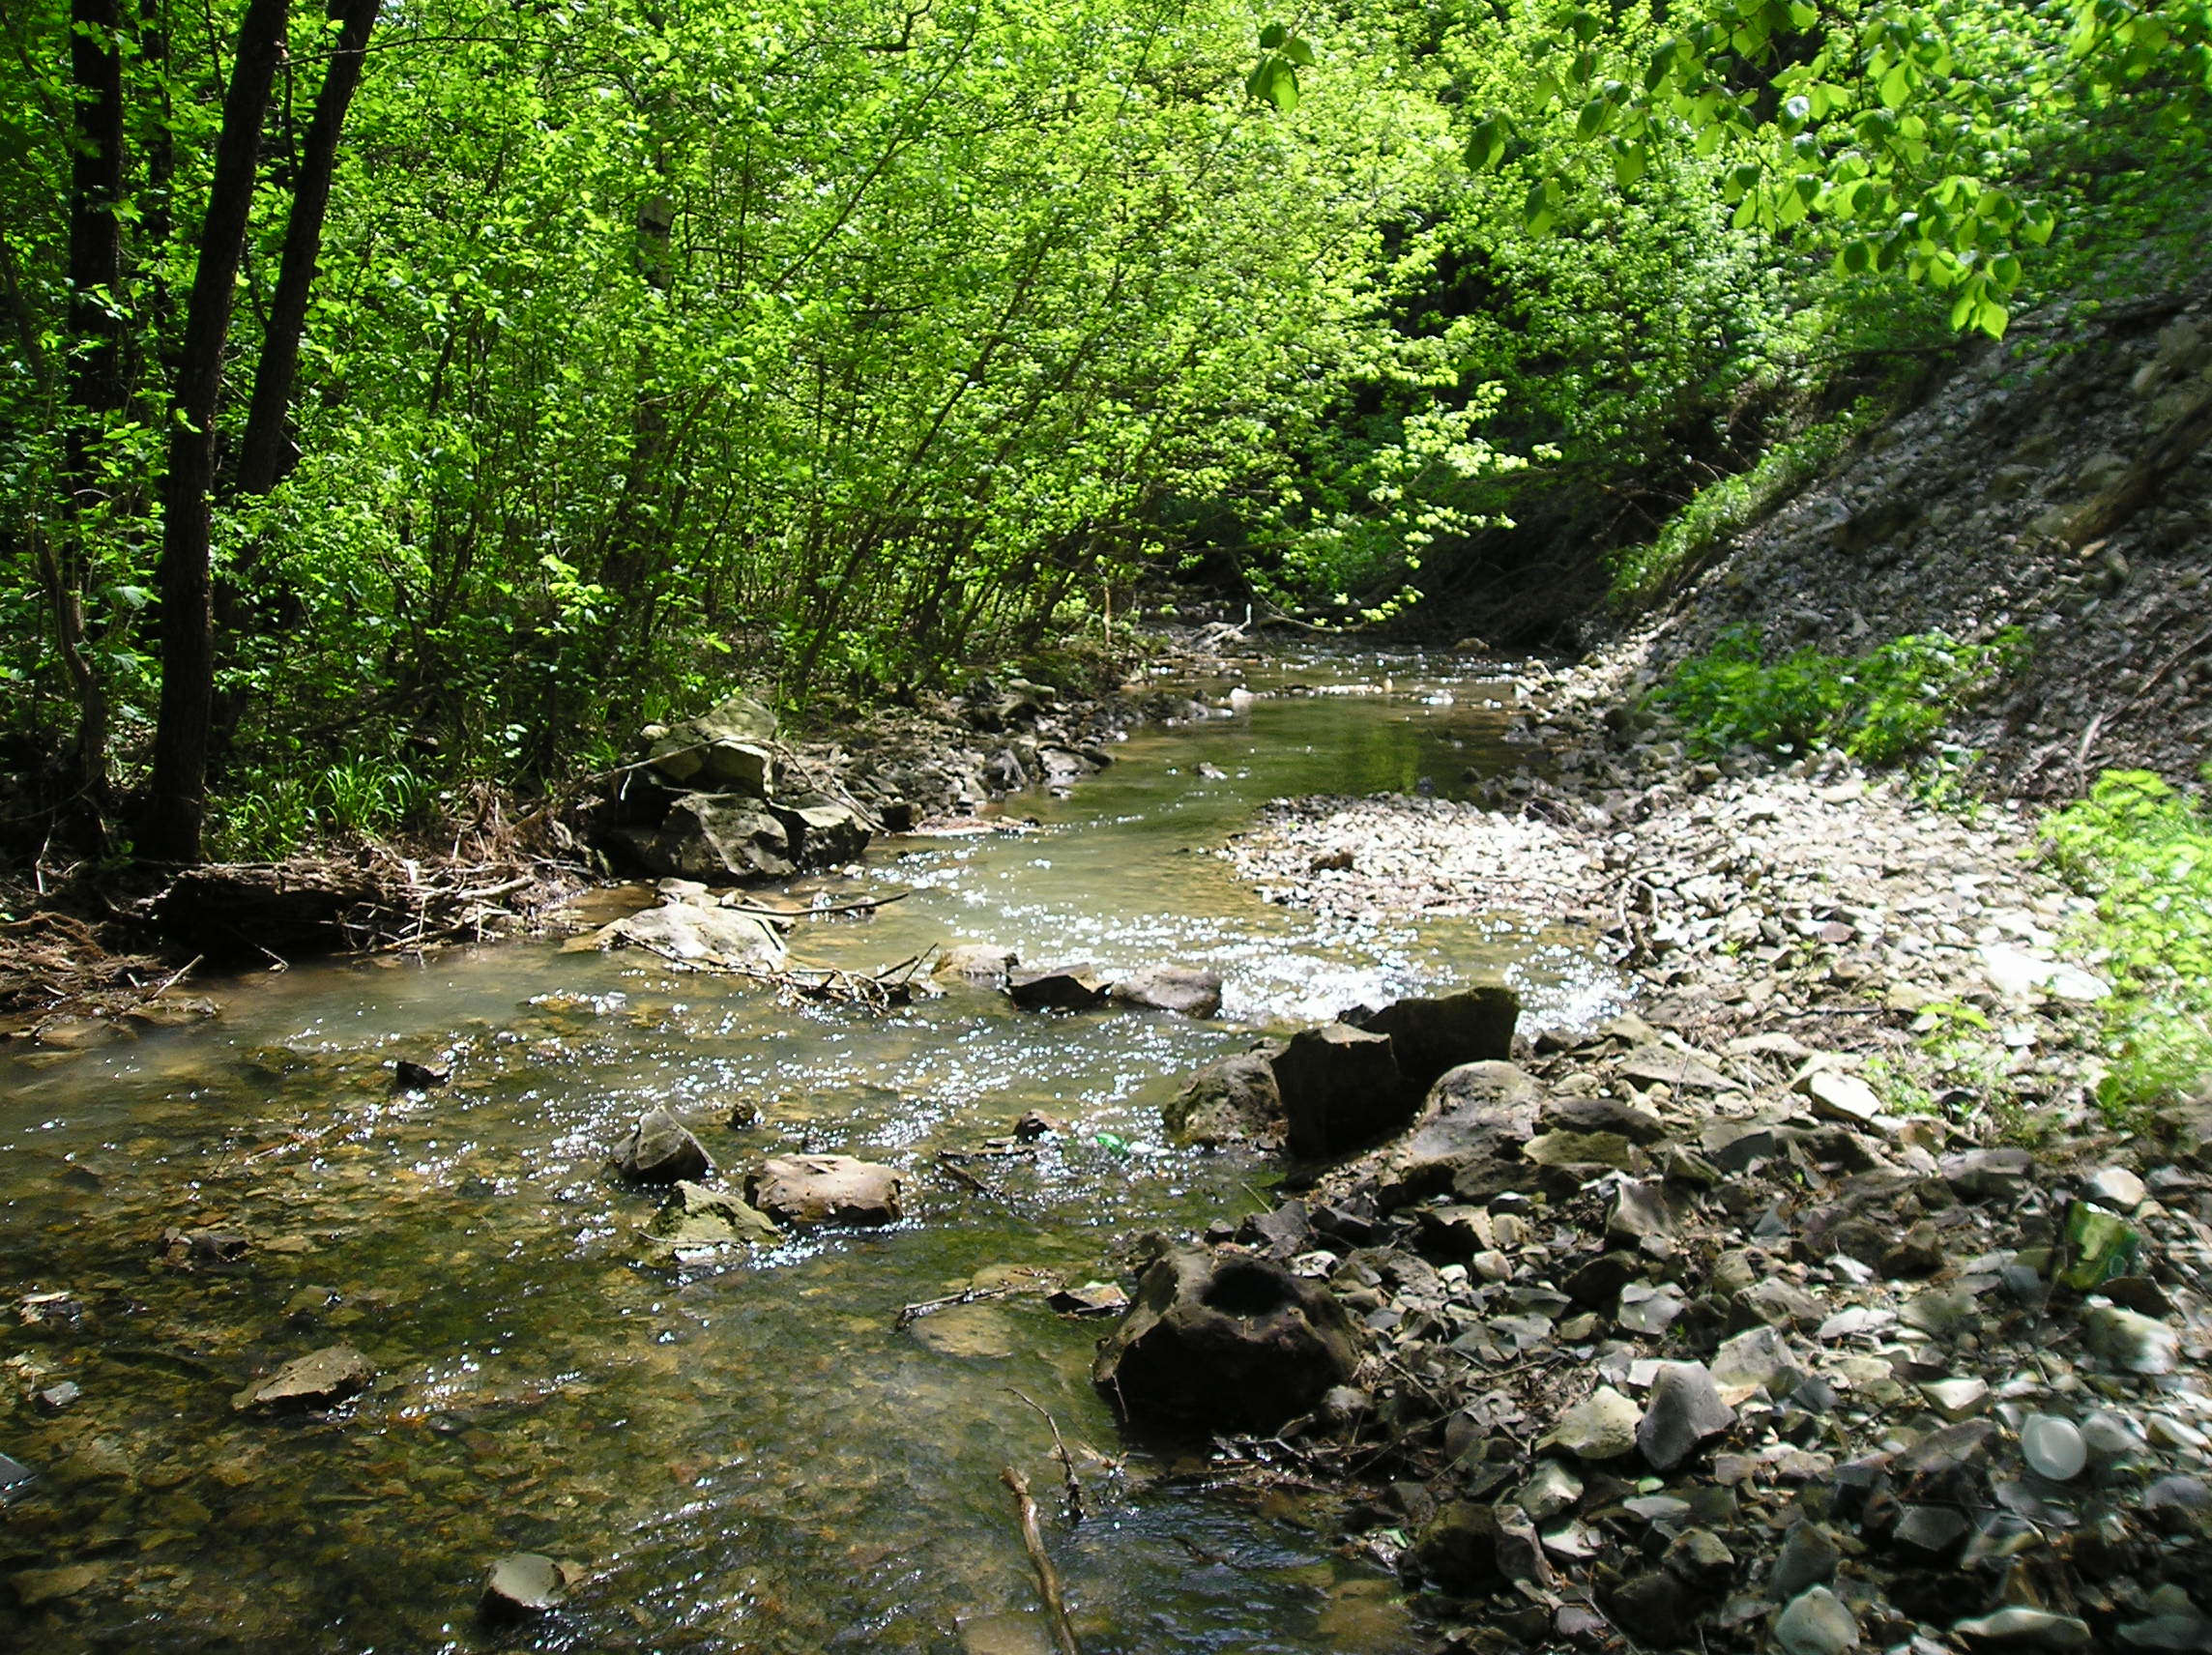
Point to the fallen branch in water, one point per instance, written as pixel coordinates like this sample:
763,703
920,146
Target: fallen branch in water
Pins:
1048,1579
861,904
1059,1453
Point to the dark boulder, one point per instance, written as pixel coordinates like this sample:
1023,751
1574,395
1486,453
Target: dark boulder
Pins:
714,837
1225,1342
1057,988
1341,1088
1431,1035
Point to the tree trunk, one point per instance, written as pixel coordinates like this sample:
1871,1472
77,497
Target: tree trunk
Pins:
97,381
179,801
266,453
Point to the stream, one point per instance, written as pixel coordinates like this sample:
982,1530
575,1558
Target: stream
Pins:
743,1450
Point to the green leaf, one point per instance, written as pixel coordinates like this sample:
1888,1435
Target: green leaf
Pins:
1629,163
1593,119
1486,145
1273,37
1298,52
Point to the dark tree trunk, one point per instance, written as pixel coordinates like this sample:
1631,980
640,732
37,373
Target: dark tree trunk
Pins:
97,383
175,813
266,453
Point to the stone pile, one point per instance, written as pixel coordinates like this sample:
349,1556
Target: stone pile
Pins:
1664,1351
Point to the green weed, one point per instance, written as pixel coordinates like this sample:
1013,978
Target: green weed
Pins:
1880,707
2142,850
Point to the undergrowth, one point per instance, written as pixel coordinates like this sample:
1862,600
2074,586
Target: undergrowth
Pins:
1644,574
2142,850
1880,708
273,813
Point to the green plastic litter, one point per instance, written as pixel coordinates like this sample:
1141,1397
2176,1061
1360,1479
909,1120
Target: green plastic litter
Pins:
2100,1246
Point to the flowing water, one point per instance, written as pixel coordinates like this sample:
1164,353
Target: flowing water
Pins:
742,1451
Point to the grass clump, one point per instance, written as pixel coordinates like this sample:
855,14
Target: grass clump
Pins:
273,813
1880,708
2142,850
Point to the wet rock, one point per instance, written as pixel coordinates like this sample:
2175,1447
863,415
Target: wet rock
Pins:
53,1399
2131,1341
683,931
696,1216
36,1586
14,1478
1683,1413
202,1249
1187,989
410,1076
1057,988
807,1191
1225,1341
321,1379
1429,1036
1816,1623
521,1588
661,1151
821,832
1232,1101
1034,1125
1340,1088
1602,1426
2020,1628
1089,1298
983,964
1808,1559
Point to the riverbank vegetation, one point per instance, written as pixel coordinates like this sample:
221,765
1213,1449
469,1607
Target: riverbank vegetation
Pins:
438,393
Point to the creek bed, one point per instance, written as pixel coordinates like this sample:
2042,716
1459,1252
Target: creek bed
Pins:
740,1451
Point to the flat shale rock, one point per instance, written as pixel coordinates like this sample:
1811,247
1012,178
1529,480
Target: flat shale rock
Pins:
808,1191
1187,989
320,1380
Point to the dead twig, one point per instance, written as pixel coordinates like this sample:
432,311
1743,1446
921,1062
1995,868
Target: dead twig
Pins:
1059,1453
1048,1578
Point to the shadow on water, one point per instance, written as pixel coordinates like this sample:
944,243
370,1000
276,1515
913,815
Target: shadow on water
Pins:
740,1452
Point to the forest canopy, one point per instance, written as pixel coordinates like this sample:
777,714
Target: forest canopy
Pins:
453,386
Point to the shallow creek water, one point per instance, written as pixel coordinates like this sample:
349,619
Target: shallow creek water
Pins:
744,1451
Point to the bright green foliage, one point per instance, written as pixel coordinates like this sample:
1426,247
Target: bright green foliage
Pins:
1880,707
2143,851
1900,137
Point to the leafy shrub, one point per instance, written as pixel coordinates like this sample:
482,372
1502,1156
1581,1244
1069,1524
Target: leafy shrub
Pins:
2143,851
274,813
1880,707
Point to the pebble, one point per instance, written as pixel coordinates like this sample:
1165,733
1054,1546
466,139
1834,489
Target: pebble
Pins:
1600,1427
1816,1622
2053,1448
521,1587
2017,1627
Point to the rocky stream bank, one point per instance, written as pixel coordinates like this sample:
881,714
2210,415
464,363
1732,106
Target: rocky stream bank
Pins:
1813,1304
